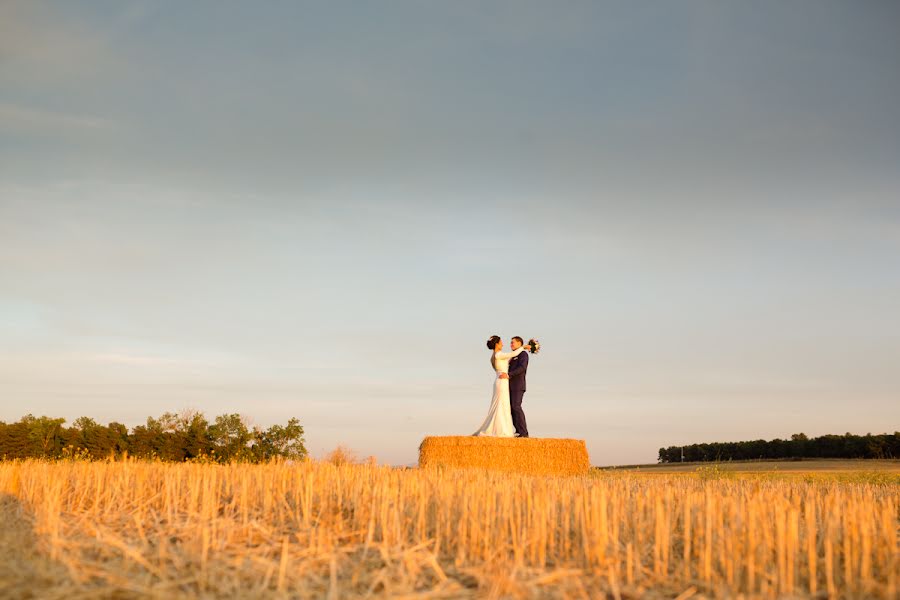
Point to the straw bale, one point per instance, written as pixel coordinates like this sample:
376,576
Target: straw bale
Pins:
533,456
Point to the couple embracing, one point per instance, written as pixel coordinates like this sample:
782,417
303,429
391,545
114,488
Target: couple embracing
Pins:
505,417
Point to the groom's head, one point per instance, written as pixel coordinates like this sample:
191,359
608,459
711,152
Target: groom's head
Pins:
515,343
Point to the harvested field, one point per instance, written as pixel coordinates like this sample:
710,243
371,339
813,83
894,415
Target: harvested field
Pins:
312,530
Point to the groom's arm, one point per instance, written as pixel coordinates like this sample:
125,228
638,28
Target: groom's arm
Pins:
520,366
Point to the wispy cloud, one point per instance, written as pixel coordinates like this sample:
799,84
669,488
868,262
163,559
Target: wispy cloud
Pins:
38,42
36,120
136,360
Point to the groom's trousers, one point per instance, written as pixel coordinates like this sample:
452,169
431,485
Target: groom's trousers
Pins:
518,415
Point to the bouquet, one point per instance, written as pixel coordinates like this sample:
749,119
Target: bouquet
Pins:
535,346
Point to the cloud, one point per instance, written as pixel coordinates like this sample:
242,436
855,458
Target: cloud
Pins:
137,360
28,119
39,43
289,212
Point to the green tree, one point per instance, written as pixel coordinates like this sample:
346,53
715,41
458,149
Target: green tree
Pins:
44,435
147,440
231,438
173,437
196,437
277,441
118,434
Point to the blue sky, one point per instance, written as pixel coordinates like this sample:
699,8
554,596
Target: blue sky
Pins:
323,210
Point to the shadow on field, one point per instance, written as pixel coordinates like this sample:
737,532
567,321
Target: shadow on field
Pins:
24,571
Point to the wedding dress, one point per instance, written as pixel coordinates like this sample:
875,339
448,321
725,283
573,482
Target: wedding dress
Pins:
499,418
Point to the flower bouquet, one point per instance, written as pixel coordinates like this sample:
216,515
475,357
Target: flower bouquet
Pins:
535,346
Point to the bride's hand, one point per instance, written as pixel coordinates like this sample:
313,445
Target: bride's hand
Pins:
527,346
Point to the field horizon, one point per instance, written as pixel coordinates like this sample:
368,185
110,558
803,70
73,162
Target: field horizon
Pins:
773,464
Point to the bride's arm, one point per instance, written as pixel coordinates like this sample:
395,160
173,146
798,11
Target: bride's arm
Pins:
508,355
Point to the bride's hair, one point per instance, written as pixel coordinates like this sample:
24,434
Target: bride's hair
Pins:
492,344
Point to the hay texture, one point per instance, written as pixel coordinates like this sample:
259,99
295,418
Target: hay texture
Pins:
532,456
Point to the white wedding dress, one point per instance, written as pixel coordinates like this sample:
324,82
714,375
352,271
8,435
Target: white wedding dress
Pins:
499,418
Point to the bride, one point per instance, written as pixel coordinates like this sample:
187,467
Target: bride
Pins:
499,418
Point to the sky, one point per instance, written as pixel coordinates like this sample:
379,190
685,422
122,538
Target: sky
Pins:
323,210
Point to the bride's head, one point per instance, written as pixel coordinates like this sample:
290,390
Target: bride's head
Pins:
495,343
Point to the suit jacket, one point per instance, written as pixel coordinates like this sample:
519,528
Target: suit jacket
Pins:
518,366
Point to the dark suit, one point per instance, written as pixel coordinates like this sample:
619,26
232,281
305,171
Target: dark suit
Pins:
518,366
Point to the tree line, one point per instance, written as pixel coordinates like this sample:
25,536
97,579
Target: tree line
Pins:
799,446
172,437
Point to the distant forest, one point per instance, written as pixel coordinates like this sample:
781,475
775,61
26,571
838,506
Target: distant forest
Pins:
172,437
799,446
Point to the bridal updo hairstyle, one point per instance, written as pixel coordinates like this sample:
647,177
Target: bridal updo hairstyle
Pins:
492,341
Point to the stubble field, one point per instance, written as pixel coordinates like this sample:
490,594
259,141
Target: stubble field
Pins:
314,530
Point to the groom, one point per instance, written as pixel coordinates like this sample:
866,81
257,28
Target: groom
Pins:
518,365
